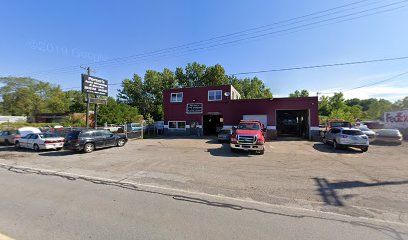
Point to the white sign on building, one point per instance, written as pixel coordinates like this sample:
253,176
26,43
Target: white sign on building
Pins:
397,119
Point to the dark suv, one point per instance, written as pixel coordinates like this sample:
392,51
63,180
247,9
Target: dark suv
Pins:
88,140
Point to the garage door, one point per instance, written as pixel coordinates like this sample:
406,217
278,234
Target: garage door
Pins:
262,118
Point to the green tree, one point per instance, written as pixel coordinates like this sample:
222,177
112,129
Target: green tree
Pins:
117,113
147,94
297,93
377,108
214,76
402,104
76,100
324,106
27,96
337,102
251,88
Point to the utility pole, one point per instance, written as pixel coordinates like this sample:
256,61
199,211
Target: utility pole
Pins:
88,72
95,112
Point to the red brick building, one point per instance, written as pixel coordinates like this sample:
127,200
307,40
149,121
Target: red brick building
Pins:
204,110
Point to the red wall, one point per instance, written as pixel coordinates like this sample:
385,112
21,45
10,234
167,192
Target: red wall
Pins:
269,106
232,110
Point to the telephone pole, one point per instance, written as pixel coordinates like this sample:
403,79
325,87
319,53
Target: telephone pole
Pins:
88,72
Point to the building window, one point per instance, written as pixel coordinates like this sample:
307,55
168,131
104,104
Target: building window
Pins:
177,125
176,97
215,95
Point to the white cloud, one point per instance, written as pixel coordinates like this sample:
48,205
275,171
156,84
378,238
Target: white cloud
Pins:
388,92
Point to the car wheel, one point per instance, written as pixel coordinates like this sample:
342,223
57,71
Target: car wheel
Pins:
17,145
121,143
89,147
262,152
365,149
335,145
36,147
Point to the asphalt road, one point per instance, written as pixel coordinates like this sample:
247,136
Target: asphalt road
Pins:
348,182
35,206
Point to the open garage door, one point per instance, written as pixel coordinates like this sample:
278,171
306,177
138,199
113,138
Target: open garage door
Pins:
262,118
292,123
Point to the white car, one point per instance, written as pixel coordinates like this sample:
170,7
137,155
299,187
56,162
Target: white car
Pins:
40,141
347,137
21,132
370,133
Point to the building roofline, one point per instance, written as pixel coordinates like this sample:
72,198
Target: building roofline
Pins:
176,89
281,98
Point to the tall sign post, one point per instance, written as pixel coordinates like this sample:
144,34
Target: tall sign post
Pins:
96,86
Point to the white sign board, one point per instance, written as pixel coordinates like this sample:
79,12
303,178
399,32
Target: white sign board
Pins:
397,119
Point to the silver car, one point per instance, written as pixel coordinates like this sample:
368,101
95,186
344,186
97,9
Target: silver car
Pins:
7,137
347,137
370,133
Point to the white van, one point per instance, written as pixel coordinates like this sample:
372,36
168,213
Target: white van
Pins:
21,132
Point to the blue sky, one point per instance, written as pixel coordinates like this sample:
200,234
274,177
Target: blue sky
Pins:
38,36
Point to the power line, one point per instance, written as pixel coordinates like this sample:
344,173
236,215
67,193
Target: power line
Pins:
322,65
237,34
221,36
303,67
370,84
299,28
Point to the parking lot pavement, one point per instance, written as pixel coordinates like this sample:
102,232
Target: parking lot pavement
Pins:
291,173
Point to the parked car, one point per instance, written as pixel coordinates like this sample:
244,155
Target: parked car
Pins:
40,141
389,136
7,137
112,128
224,135
347,137
24,131
134,127
248,136
370,133
88,140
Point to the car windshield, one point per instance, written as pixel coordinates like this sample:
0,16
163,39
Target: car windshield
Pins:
364,129
73,135
389,132
340,124
47,135
353,132
225,131
248,126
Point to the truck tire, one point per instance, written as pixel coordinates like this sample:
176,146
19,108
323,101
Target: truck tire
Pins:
364,149
262,152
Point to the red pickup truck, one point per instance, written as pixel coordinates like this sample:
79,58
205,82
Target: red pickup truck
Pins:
248,136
